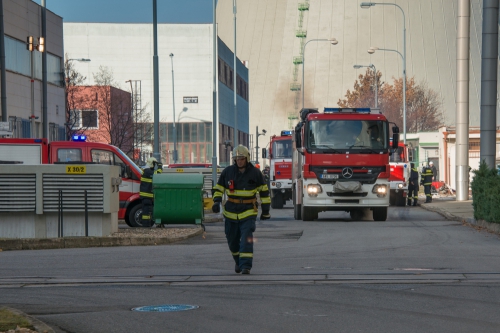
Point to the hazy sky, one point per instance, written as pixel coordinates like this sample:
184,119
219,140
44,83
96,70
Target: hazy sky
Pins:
136,11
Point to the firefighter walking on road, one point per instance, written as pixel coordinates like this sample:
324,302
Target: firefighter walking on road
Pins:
413,186
146,191
427,182
241,182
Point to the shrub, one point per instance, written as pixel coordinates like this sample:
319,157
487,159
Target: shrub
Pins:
486,194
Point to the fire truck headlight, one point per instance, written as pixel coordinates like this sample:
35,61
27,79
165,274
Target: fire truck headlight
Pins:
278,184
380,190
314,189
400,185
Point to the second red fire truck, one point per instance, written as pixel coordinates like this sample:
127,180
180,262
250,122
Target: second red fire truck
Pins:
280,173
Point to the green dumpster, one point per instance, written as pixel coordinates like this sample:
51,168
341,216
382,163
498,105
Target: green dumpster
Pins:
178,198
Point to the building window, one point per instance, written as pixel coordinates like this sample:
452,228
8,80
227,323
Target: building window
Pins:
85,119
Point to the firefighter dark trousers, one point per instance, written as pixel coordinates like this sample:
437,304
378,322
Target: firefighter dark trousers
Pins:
412,194
147,209
427,191
239,237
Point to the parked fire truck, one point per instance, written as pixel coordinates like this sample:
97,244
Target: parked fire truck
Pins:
280,173
340,162
78,151
400,175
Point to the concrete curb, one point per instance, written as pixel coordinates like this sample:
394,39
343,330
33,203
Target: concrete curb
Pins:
493,227
84,242
37,324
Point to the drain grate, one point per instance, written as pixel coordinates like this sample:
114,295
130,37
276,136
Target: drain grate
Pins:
165,308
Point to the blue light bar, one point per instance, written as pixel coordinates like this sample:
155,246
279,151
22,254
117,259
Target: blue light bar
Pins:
333,110
284,133
79,138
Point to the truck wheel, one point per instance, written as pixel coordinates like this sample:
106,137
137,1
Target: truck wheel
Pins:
356,215
308,214
134,216
277,201
380,214
296,207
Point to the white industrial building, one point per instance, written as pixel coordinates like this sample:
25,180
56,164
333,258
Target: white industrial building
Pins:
185,80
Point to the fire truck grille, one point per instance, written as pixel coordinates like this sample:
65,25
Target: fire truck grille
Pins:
332,174
347,194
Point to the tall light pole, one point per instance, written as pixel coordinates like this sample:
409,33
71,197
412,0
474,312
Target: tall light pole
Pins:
375,78
257,134
174,155
215,140
156,89
367,5
234,81
331,40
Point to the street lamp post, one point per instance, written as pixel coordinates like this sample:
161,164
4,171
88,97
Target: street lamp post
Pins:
367,5
375,78
257,134
331,40
173,109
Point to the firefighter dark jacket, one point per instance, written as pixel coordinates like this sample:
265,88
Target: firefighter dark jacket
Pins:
241,186
146,188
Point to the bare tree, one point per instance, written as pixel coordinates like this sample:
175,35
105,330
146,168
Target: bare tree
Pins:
73,80
422,103
121,122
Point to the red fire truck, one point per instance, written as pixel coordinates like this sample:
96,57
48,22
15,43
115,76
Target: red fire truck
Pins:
400,175
39,151
340,162
280,173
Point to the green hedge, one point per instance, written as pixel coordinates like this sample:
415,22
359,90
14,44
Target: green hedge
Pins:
486,194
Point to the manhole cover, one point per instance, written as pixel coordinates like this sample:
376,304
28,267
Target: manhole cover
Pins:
166,308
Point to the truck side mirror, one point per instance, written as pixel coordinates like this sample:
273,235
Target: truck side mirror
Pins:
264,153
395,137
128,172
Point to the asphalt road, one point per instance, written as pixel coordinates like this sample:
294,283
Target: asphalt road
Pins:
416,272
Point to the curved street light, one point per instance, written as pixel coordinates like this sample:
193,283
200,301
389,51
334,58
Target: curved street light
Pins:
174,157
333,41
367,5
375,78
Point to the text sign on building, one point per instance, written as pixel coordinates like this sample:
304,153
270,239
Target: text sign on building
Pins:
191,99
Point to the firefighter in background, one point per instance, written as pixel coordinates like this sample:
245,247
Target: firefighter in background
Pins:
146,191
426,180
413,186
241,182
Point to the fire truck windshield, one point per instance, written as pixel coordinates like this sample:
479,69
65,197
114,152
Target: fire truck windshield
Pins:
282,149
347,134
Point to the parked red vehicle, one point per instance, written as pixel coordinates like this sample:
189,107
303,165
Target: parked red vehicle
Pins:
78,151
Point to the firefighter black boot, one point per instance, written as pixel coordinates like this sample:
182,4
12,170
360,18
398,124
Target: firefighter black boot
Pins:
237,268
409,202
245,271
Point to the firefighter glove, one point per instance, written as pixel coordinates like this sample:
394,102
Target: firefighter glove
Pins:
265,216
216,207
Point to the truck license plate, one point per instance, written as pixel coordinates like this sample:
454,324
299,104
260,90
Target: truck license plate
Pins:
327,176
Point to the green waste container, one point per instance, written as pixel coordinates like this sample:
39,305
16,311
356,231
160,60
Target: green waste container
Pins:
178,198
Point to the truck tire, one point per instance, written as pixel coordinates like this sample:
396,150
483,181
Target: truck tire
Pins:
380,214
308,214
134,216
277,201
356,214
296,207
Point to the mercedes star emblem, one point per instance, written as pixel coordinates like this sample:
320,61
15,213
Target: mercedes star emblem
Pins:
347,172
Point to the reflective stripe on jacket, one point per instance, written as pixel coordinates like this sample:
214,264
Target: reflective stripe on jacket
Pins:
245,187
427,176
146,189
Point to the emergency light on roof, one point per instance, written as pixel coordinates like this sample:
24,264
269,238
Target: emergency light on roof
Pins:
333,110
79,138
284,133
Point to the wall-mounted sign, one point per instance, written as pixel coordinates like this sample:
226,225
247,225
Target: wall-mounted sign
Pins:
191,99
